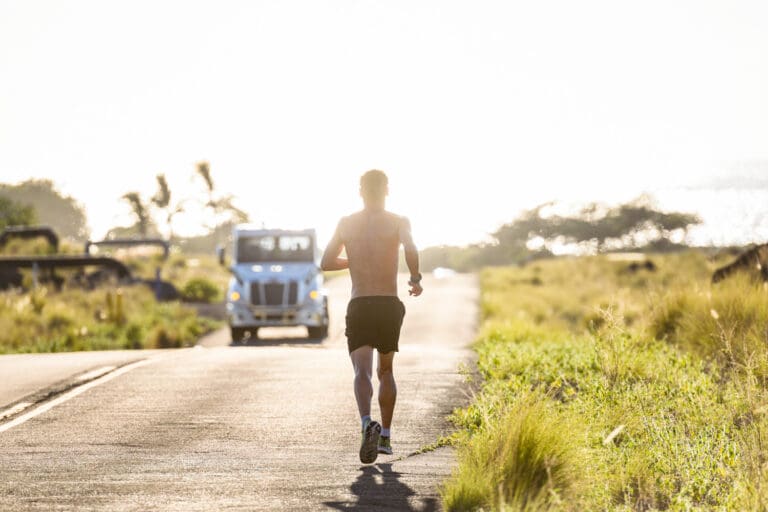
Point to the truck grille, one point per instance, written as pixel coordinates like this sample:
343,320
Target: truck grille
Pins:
274,294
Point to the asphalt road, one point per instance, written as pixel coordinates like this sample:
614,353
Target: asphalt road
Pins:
267,426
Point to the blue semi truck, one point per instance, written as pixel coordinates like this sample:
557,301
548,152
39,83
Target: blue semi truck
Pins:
276,281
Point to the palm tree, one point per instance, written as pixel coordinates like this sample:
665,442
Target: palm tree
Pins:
162,197
218,205
162,201
140,211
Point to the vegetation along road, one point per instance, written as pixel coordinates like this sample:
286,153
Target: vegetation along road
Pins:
267,426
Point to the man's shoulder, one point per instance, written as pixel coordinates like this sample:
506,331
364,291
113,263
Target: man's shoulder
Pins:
396,217
352,217
401,221
349,223
360,218
362,213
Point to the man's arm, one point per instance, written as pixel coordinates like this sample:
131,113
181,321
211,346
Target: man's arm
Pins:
411,257
331,257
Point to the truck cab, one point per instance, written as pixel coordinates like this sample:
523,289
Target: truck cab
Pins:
276,281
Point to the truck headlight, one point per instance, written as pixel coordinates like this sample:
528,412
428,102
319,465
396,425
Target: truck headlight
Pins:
234,296
314,295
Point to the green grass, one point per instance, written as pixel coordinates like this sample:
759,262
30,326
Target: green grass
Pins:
571,349
74,320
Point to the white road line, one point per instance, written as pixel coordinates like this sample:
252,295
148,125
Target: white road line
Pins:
98,372
73,393
16,409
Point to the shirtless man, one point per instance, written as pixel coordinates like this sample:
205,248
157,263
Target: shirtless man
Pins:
372,239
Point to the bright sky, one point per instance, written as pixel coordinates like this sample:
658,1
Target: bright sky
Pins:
476,110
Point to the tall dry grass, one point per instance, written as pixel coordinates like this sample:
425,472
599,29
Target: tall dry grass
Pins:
727,321
526,460
73,320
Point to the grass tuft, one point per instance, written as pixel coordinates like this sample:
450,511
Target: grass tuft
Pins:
524,460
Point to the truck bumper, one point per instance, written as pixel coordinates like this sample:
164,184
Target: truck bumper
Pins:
242,315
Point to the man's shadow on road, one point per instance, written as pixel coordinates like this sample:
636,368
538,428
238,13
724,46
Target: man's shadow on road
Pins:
379,488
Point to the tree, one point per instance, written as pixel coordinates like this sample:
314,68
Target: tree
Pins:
139,211
15,214
63,213
162,201
223,211
633,225
162,197
222,207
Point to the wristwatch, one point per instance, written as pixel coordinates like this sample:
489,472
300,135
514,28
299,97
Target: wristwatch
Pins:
415,280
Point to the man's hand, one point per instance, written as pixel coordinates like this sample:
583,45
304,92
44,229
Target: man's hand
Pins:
415,288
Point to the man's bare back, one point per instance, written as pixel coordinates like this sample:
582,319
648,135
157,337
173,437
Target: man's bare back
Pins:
372,241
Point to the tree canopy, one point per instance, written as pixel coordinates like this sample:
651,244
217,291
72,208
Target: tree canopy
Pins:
536,233
63,213
140,212
221,207
15,214
632,225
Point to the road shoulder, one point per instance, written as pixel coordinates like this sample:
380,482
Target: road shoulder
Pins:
33,377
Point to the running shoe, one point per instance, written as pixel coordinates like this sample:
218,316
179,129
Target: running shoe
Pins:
369,445
384,446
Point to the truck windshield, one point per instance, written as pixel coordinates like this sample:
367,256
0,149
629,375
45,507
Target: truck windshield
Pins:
269,248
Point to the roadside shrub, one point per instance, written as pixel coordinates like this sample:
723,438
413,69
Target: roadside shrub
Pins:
163,337
180,269
524,461
200,289
37,299
727,322
177,261
134,336
59,321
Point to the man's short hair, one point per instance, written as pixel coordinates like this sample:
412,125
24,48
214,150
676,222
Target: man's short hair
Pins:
374,182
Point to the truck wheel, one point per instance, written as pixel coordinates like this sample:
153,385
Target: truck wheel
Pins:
238,334
317,333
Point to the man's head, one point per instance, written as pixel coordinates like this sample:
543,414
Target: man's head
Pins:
374,186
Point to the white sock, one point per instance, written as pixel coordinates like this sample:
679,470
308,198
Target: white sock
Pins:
364,420
385,432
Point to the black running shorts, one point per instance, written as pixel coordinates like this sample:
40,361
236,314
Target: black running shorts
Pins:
374,321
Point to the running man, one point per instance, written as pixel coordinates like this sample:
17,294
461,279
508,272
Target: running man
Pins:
372,239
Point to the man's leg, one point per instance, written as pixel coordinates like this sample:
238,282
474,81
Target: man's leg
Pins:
387,388
362,363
